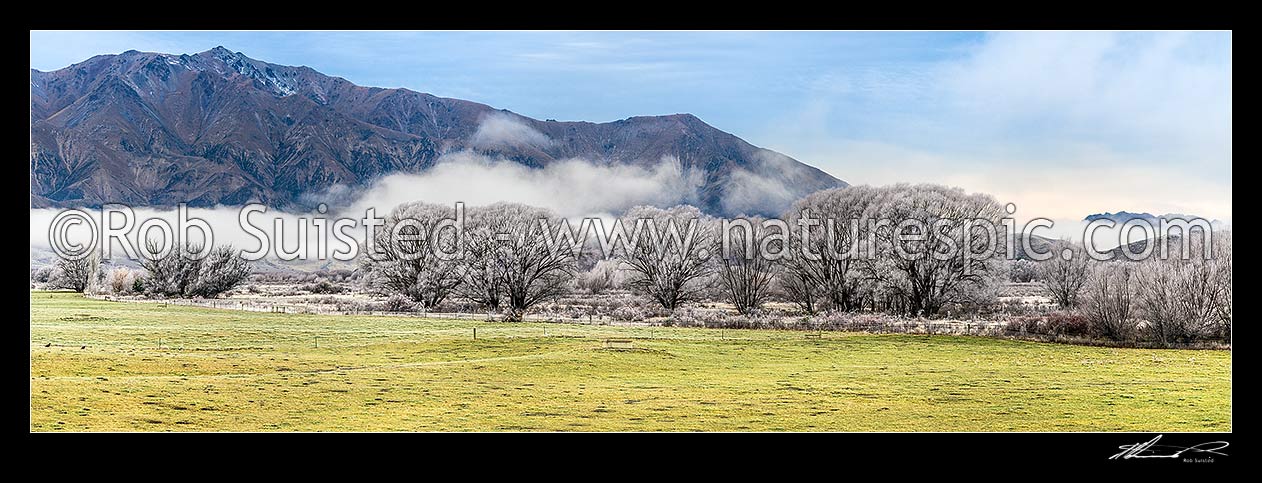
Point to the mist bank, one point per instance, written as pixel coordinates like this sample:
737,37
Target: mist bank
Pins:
573,189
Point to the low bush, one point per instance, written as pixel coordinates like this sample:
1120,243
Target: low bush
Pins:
323,287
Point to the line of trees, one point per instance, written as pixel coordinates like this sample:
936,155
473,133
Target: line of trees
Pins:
813,257
177,272
1164,300
895,269
511,262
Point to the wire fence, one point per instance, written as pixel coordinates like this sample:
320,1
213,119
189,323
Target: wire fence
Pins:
307,308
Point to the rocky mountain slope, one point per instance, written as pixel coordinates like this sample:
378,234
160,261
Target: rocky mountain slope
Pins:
218,127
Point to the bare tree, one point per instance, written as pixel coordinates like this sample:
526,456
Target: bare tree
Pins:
180,272
745,269
1063,278
220,271
667,255
1108,300
519,256
170,274
78,274
942,246
798,290
481,281
825,253
1185,299
416,255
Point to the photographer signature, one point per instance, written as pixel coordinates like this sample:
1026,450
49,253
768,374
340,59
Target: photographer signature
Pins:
1152,450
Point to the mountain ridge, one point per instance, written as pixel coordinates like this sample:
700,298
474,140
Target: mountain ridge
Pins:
218,127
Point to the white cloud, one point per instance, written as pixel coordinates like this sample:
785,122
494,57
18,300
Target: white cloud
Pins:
748,192
766,184
1136,92
1045,187
572,188
500,129
1063,123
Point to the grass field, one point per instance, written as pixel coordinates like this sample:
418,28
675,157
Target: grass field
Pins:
97,366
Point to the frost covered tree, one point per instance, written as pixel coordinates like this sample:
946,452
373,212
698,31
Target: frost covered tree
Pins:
218,272
514,259
1022,270
602,276
481,282
800,291
181,272
667,253
415,253
79,274
941,245
1063,279
747,264
169,273
1185,299
825,256
1108,300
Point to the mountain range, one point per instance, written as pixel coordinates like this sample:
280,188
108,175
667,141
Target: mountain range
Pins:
1122,217
220,128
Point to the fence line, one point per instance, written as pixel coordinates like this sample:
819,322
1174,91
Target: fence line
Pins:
889,325
322,309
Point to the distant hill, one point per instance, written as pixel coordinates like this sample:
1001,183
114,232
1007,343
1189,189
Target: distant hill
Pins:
1174,244
1037,243
1125,216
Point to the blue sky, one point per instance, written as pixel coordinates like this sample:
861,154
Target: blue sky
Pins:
1062,123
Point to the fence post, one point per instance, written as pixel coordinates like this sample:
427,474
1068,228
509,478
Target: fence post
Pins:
475,333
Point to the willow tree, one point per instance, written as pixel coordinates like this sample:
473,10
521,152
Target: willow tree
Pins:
747,261
667,255
415,253
934,245
825,258
513,259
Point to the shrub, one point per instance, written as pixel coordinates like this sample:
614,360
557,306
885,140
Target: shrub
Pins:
1066,324
398,303
323,287
629,313
1024,325
122,281
1054,324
